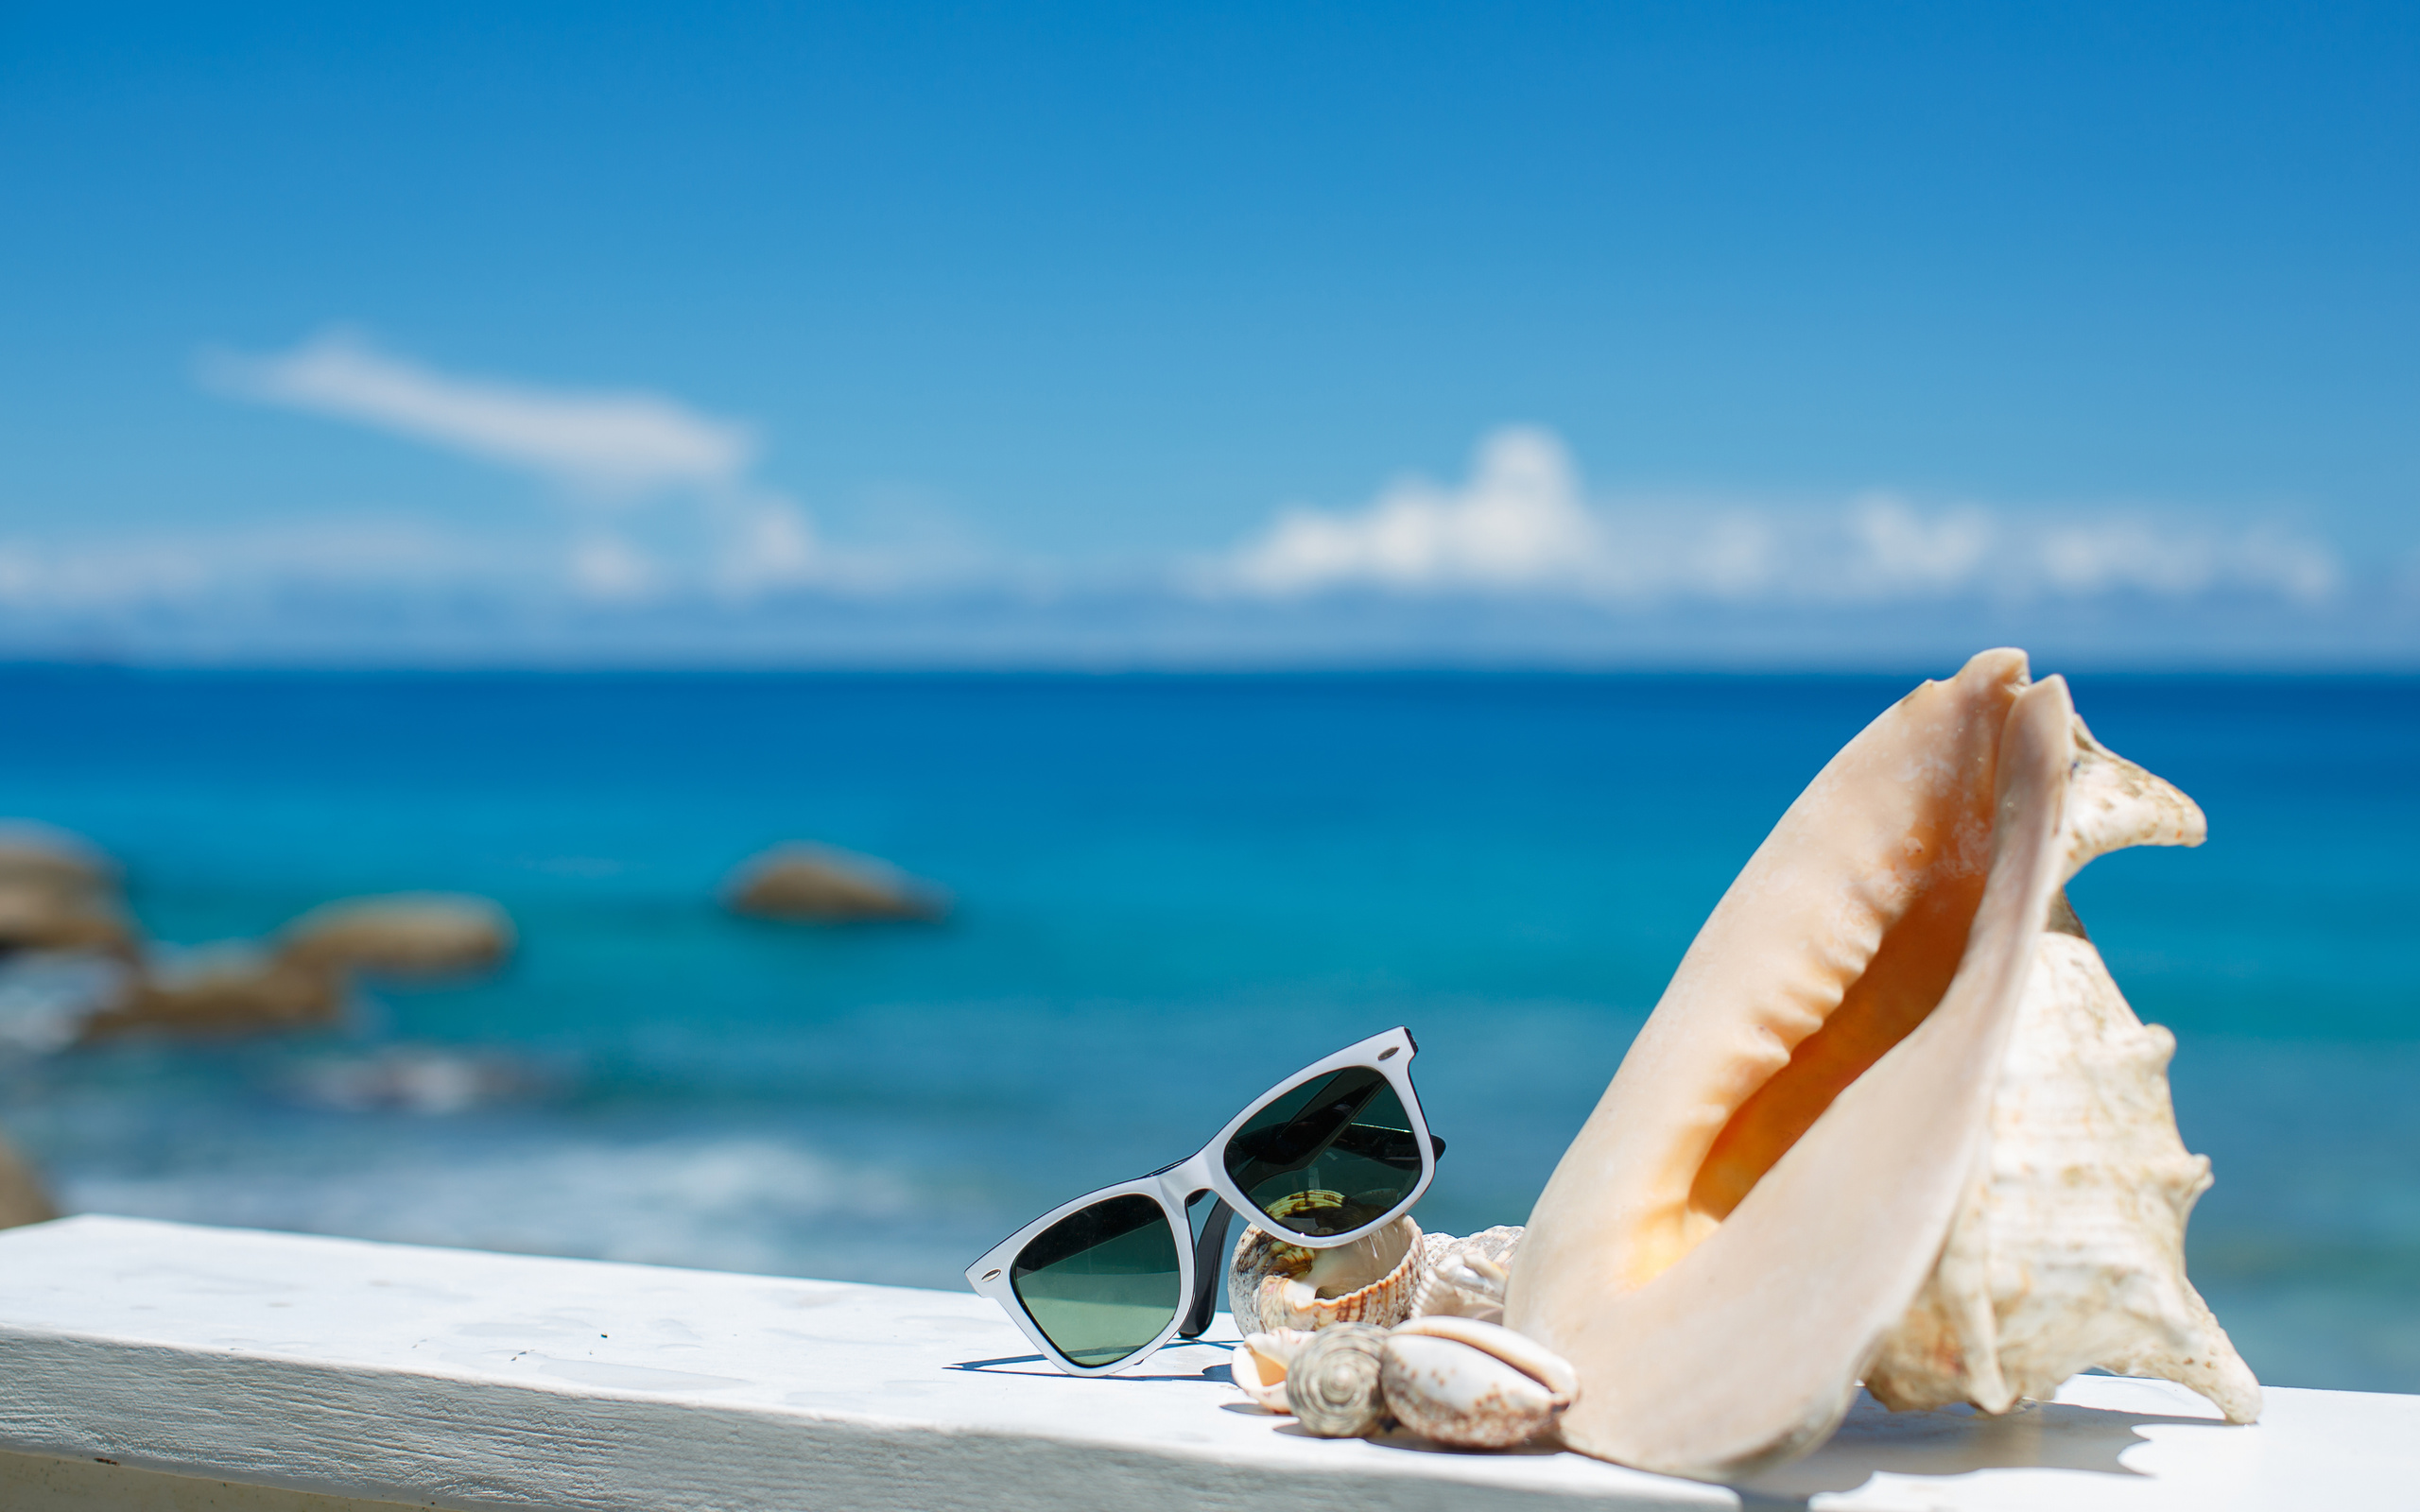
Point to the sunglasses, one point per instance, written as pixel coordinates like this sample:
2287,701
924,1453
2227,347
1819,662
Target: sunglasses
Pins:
1327,1155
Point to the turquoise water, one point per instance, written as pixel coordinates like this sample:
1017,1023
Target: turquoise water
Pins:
1173,891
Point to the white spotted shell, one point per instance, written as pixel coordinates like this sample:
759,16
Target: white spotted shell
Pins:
1471,1384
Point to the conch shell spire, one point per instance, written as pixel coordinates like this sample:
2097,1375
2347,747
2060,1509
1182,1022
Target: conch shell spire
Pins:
1815,1131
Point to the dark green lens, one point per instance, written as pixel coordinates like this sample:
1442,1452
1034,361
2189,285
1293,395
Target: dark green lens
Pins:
1329,1156
1102,1281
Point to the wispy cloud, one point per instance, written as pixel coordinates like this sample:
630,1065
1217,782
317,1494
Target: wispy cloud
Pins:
147,570
618,450
602,445
1521,526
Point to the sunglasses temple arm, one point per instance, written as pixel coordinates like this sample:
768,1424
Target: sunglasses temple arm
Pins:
1209,1269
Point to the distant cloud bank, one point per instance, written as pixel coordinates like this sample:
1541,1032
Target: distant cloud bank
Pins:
1521,526
653,538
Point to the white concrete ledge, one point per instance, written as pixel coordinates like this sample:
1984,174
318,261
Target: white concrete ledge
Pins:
325,1368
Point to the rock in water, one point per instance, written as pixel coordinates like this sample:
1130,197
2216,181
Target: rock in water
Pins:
22,1197
401,934
227,992
58,893
32,852
818,884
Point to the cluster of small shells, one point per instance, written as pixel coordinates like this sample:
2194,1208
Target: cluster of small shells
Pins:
1397,1328
1454,1381
1380,1279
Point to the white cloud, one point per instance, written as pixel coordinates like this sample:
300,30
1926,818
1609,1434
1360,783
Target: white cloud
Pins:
769,544
1904,552
608,446
1517,522
606,567
1522,527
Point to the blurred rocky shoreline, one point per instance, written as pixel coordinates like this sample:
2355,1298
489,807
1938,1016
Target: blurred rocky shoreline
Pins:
77,968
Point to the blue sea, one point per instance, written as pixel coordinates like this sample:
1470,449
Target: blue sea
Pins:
1172,890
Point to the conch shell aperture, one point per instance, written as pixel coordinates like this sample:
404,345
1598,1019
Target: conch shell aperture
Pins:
1890,1120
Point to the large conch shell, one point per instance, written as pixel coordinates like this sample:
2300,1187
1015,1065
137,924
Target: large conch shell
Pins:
1824,1154
1274,1284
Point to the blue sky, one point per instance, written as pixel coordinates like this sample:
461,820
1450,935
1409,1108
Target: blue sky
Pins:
1623,334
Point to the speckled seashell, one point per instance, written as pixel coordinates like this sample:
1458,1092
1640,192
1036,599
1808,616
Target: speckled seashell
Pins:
1258,1366
1472,1384
1465,1277
1274,1284
1333,1383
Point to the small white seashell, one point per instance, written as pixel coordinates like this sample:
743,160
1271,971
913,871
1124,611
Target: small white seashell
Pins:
1466,1278
1333,1383
1259,1364
1274,1284
1473,1384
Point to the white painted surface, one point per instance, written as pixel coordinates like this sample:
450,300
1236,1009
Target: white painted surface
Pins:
469,1380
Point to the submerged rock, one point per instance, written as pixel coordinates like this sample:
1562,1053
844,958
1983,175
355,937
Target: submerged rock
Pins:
41,855
58,892
813,884
38,917
401,934
305,980
226,992
79,969
22,1197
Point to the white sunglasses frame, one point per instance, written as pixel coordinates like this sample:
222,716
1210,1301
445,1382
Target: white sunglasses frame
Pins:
1173,1186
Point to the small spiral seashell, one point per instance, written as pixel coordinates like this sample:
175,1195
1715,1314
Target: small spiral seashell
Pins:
1333,1384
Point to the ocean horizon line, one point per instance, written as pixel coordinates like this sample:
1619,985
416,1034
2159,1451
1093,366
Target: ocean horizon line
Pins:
2380,668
